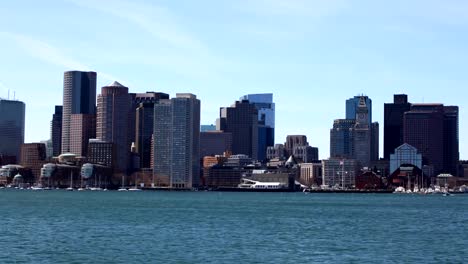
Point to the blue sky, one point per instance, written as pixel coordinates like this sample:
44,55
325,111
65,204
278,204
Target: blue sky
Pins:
312,54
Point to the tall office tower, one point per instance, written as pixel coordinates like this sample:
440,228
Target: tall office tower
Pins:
114,111
241,120
341,138
145,124
294,141
177,142
56,131
451,140
12,120
362,137
375,141
266,121
82,129
433,130
79,97
352,106
393,123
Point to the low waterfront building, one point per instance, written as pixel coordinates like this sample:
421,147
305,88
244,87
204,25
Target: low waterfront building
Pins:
369,180
221,176
340,172
311,174
405,155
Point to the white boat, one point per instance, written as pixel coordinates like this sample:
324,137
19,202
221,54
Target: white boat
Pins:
70,189
122,189
81,189
37,188
134,190
400,190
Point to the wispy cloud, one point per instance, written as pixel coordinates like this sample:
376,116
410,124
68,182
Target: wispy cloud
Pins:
310,8
47,53
156,20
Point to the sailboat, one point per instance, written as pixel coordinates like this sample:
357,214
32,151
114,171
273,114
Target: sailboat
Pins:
122,189
71,182
135,189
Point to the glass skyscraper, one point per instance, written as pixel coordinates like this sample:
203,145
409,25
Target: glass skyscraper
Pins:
12,120
266,121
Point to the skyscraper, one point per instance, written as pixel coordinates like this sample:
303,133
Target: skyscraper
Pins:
56,131
393,123
352,106
79,97
433,130
145,125
341,143
362,137
82,129
355,137
266,121
177,141
12,120
242,121
114,107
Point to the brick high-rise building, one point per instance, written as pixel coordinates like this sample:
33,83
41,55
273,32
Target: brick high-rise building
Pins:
115,117
82,129
79,97
33,156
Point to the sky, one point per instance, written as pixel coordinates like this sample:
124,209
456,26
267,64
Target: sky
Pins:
311,54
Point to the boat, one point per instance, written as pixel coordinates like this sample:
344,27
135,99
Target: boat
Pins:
122,189
71,182
400,190
134,189
37,188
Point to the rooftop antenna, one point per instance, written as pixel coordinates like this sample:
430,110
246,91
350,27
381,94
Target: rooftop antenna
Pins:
14,95
8,94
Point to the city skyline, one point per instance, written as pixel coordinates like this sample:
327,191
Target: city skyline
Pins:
307,68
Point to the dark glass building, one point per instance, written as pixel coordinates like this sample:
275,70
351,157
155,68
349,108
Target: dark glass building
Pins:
12,120
266,121
79,97
393,123
145,124
433,130
242,121
214,143
56,131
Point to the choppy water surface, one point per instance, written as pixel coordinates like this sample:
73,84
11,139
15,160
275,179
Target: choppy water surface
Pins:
212,227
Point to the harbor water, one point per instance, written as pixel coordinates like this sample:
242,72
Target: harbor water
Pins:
222,227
